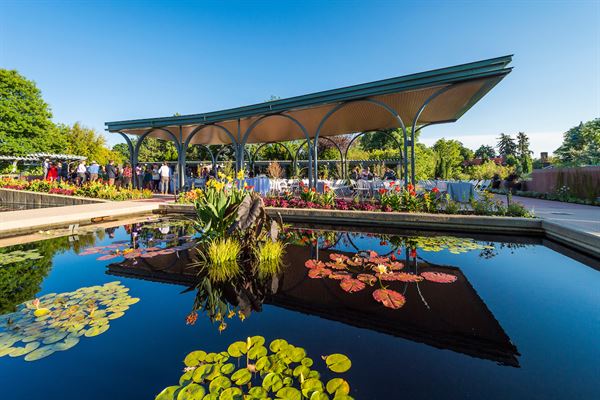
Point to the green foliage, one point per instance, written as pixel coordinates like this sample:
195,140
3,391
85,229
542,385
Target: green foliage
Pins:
487,170
581,145
222,258
448,158
280,370
485,152
87,142
25,118
55,322
506,145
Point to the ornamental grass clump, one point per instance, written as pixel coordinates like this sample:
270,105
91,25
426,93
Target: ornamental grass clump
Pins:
269,256
221,258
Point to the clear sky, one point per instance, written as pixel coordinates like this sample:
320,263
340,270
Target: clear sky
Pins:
106,61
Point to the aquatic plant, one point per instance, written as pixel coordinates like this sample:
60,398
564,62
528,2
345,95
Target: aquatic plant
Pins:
369,269
281,369
56,322
18,256
269,256
221,258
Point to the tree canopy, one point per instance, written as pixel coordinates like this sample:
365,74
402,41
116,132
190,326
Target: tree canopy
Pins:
581,145
485,152
506,145
25,118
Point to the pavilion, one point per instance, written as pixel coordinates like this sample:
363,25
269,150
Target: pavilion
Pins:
408,103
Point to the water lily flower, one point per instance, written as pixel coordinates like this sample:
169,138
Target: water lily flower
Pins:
381,269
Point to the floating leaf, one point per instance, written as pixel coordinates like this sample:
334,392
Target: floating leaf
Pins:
367,278
39,353
317,273
338,363
277,344
219,383
311,386
438,277
241,376
314,264
40,312
194,358
168,393
389,298
272,382
231,393
192,391
338,386
352,285
237,349
289,393
227,368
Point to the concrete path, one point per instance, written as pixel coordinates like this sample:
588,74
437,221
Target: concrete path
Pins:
24,221
576,216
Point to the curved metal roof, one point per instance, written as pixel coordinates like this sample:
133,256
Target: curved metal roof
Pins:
448,92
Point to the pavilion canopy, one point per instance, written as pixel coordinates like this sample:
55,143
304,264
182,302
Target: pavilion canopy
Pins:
274,121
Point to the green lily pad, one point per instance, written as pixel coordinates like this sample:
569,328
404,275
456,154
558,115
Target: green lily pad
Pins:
194,358
167,394
289,393
338,363
39,353
219,383
338,386
241,376
192,391
272,382
237,349
231,393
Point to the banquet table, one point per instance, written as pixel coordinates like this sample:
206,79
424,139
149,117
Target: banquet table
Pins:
261,184
461,191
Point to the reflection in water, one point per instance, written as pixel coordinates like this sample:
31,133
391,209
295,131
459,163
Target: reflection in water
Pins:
450,315
55,322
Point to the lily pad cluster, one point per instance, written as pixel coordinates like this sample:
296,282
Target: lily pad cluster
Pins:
57,322
279,370
120,249
371,270
454,245
18,256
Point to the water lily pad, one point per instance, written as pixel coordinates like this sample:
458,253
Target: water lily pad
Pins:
219,383
338,363
241,376
96,330
39,353
352,285
194,358
389,298
237,349
438,277
289,393
167,394
272,382
66,344
338,386
192,391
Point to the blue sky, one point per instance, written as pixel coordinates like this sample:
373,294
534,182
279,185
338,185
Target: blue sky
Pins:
105,61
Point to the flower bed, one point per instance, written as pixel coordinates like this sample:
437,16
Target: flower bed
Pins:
96,190
394,199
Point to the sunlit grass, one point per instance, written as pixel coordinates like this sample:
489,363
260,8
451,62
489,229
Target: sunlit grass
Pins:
270,257
222,259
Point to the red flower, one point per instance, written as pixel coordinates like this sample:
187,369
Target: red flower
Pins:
326,189
382,191
191,318
305,190
313,190
383,243
413,193
435,190
301,184
413,253
393,257
397,188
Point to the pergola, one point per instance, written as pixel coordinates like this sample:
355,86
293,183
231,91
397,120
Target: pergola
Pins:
408,103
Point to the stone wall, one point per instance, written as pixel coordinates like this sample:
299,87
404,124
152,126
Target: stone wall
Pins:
40,200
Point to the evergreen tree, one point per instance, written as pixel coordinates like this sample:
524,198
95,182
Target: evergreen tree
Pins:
581,145
524,153
506,145
485,152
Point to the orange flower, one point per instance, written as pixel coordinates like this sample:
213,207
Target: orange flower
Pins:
410,187
305,190
191,318
435,190
382,191
397,188
326,189
313,190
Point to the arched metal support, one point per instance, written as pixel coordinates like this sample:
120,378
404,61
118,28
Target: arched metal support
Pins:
362,134
372,101
414,129
255,154
342,157
235,152
178,147
131,159
299,125
208,150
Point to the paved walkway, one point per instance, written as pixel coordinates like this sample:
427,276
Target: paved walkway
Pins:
577,216
16,222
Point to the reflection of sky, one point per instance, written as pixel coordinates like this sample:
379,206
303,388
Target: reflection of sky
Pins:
547,304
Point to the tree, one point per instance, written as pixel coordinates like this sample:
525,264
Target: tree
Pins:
466,153
448,158
485,152
25,118
83,141
506,145
379,140
581,145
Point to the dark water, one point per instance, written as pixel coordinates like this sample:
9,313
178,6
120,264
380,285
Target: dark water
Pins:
520,321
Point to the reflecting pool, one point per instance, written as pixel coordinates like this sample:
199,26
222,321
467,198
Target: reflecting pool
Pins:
113,313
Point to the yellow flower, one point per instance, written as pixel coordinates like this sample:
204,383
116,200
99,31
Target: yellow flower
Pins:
381,269
230,314
222,327
241,316
241,174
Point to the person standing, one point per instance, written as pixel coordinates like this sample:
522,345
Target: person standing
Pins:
165,174
46,166
155,178
127,172
81,170
111,173
64,171
139,173
93,170
52,173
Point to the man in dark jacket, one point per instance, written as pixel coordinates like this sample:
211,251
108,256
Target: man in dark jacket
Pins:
111,172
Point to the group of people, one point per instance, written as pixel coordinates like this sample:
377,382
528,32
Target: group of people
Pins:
366,174
155,178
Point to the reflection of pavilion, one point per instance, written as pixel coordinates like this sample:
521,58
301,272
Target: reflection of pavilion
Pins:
449,316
